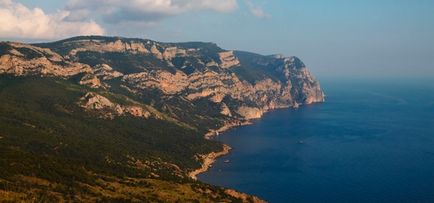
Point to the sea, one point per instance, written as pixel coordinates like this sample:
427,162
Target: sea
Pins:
371,141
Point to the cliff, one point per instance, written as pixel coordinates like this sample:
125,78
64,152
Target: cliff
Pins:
244,84
164,96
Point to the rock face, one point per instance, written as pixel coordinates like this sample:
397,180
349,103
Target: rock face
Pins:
22,59
96,102
107,109
238,85
250,112
225,110
228,59
101,46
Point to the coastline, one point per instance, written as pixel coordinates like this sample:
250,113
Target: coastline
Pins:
209,159
227,126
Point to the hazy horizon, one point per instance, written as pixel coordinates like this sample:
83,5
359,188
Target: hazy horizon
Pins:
334,38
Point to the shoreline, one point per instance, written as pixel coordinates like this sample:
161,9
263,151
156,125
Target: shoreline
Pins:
227,126
209,159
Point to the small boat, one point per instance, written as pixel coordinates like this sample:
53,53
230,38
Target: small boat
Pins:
227,161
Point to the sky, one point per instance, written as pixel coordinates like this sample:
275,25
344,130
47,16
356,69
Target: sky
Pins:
335,38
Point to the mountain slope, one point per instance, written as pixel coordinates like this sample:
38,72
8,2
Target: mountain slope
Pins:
81,115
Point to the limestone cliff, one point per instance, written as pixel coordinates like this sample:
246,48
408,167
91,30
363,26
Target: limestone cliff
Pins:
237,85
22,59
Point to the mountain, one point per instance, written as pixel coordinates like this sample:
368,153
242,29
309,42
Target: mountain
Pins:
95,118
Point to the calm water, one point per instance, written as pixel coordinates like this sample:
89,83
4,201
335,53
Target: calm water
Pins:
370,142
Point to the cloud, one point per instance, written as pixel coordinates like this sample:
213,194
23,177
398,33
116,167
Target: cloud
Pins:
18,21
119,11
256,10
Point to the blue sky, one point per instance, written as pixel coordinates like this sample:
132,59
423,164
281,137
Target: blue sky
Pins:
363,38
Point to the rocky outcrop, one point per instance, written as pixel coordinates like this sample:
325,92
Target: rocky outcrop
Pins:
93,101
98,74
224,110
172,52
156,52
22,59
108,109
226,126
307,87
105,72
98,46
228,59
207,161
249,112
91,81
164,81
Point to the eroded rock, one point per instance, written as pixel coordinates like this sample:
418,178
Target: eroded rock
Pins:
250,112
108,109
228,59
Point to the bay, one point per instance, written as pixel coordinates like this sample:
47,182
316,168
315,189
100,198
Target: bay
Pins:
371,141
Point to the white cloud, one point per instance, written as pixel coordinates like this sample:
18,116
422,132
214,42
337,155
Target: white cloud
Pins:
118,11
256,10
18,21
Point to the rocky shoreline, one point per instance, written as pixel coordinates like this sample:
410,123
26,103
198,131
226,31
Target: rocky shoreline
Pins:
208,160
227,126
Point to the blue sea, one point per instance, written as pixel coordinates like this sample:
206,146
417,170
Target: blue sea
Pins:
371,141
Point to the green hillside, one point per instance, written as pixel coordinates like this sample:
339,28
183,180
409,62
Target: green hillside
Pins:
51,149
